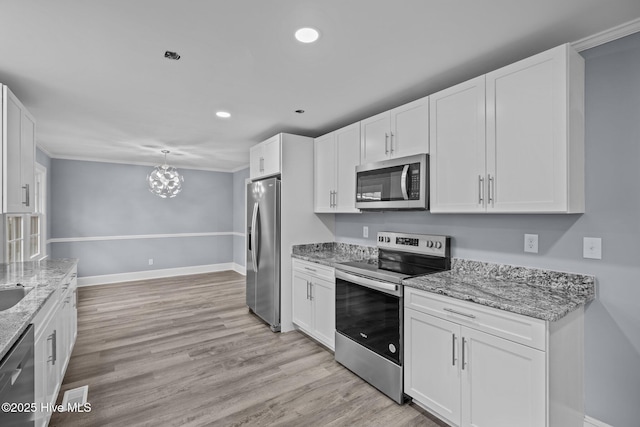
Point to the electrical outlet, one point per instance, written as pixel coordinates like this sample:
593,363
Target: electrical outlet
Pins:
531,243
150,261
592,248
365,231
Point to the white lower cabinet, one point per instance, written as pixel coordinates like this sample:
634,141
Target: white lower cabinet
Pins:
314,304
457,368
55,335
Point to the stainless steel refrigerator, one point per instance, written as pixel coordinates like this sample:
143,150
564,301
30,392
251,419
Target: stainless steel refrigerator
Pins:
263,250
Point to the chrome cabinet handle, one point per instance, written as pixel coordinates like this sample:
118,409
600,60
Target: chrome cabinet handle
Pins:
332,199
480,189
310,269
491,189
53,356
392,135
261,164
386,143
464,363
471,316
453,349
310,291
335,199
26,192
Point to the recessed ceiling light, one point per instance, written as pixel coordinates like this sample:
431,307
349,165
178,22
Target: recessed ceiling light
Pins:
307,35
223,114
299,111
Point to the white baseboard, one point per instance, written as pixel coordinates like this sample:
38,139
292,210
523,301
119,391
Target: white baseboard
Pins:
240,269
592,422
155,274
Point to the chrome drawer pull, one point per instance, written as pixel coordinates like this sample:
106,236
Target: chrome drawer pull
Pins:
471,316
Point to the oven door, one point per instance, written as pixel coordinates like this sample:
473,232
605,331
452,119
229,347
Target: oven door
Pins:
369,312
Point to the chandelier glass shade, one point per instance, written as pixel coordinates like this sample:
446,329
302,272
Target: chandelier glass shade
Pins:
164,180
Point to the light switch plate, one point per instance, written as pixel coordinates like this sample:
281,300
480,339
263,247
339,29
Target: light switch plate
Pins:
592,248
365,231
531,243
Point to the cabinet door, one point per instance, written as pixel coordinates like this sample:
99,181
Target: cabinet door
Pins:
301,311
324,172
255,161
271,153
457,159
323,296
431,369
527,134
27,161
375,134
503,383
14,194
347,142
410,129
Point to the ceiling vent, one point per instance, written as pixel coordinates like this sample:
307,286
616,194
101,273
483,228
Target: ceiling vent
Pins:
171,55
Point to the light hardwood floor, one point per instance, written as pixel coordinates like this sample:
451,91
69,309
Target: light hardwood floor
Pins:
186,352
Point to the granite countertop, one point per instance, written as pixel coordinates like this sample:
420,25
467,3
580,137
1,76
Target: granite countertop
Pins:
542,294
333,253
44,277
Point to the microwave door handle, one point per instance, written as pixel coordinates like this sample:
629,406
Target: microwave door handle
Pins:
403,182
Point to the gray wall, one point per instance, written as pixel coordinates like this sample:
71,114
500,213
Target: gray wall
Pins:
91,199
239,240
612,329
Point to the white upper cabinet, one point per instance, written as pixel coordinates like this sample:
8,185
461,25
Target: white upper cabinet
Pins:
265,158
336,156
403,131
458,145
532,160
535,134
19,145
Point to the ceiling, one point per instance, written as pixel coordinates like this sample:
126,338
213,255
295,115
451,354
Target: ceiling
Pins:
93,73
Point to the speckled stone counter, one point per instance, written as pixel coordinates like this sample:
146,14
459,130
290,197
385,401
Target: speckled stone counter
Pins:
542,294
44,277
332,253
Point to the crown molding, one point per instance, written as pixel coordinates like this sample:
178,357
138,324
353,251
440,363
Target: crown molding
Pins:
152,164
44,150
607,36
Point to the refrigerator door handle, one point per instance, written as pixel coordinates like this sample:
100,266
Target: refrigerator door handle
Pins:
254,248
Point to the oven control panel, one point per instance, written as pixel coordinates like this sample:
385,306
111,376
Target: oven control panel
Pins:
417,243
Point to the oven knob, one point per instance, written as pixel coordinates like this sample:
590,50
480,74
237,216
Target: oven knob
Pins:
392,348
438,245
387,239
429,244
379,238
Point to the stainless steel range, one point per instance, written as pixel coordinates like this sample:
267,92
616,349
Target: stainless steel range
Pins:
369,306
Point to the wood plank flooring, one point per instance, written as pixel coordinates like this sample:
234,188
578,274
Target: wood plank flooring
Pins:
186,352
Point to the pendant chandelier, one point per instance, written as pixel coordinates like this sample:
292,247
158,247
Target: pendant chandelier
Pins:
165,181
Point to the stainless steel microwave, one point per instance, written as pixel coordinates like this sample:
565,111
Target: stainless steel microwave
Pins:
394,184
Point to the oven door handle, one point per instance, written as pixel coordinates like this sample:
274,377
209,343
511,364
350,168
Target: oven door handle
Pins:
387,288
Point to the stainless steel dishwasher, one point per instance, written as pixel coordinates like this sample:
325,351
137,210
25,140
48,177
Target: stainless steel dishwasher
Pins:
17,383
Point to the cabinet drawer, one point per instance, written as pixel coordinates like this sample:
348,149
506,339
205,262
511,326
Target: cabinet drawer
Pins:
514,327
316,270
